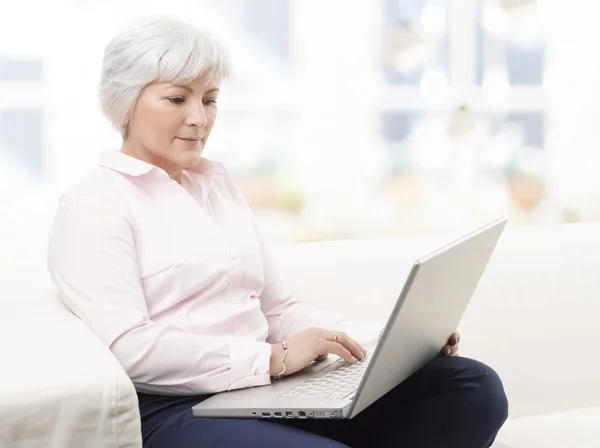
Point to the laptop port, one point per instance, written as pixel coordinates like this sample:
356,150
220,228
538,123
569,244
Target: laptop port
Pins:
266,414
301,414
278,414
289,414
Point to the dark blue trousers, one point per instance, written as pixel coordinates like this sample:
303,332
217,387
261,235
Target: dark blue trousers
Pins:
452,402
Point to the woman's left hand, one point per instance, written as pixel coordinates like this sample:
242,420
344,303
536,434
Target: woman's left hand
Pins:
451,348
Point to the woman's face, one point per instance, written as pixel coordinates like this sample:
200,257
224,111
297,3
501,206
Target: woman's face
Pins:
170,124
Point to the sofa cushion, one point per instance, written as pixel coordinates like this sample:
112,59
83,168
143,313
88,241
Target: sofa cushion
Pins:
573,429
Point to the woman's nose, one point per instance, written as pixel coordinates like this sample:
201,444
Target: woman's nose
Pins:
197,116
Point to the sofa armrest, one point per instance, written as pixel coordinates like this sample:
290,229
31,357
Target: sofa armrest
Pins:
60,386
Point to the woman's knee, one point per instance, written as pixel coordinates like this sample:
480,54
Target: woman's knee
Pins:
479,384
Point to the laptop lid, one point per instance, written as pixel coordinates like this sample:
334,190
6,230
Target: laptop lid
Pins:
429,309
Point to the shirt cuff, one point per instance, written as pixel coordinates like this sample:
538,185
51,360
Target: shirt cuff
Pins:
250,364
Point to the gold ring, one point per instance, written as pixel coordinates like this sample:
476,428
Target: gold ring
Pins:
335,337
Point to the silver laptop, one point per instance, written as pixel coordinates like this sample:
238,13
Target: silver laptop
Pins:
429,309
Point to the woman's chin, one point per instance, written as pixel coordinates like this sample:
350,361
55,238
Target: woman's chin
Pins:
191,158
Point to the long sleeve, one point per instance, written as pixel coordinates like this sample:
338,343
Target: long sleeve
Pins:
288,315
93,262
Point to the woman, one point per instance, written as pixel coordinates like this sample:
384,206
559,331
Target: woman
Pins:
157,251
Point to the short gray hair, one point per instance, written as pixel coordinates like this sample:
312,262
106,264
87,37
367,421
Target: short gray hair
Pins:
158,49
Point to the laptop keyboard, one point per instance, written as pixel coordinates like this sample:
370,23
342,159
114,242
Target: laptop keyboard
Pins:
339,383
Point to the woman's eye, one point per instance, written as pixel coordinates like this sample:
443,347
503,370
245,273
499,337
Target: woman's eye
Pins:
177,100
210,102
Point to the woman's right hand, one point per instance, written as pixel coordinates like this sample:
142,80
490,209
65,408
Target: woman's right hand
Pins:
311,345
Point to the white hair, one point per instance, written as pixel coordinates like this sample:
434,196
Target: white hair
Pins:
160,49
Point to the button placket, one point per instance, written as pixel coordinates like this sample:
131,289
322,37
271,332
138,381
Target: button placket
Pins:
236,276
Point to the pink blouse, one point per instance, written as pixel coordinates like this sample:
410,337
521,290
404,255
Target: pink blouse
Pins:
174,278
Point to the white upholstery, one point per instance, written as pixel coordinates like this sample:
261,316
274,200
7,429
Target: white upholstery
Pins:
59,385
576,428
533,318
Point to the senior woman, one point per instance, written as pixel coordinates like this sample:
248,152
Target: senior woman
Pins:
158,253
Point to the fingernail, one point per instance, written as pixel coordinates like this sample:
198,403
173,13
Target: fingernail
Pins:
448,351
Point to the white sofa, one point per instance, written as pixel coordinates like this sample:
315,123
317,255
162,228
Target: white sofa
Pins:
534,318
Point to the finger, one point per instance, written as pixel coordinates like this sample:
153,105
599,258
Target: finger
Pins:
350,344
449,350
453,340
362,349
340,350
322,357
342,338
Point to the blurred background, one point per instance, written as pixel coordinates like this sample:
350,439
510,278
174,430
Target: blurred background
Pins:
343,118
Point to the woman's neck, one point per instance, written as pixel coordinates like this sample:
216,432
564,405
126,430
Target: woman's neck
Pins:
140,153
